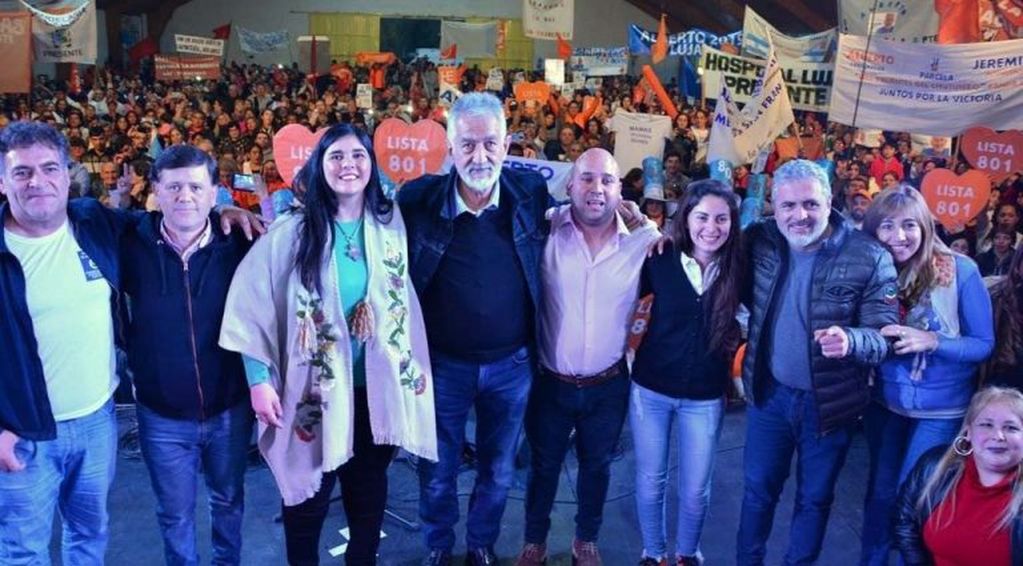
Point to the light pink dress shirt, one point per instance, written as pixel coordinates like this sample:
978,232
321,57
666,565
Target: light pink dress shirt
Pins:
588,300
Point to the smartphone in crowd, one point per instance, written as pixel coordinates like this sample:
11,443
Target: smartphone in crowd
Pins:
243,182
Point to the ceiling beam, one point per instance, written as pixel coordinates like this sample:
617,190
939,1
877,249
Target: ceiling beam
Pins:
681,16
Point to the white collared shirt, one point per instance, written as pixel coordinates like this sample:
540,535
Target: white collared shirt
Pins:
200,242
588,298
495,201
699,280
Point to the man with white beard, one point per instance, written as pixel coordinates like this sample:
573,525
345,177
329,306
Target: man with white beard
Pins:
476,238
820,292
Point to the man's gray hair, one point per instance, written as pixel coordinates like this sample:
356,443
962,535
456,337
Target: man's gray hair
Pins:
802,170
476,104
23,133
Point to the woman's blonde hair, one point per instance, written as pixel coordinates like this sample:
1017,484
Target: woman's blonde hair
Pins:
918,274
954,463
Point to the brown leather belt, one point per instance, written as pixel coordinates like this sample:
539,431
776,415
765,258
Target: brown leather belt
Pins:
618,369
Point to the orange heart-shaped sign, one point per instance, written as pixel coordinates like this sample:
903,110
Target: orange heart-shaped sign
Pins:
405,152
293,144
998,154
955,199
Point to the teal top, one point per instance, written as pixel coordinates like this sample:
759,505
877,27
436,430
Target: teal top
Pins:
353,281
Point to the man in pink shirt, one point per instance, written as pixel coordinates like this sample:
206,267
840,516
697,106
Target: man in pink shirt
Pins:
590,273
885,164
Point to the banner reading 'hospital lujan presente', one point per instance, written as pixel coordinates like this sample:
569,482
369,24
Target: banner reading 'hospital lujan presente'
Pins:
809,84
928,88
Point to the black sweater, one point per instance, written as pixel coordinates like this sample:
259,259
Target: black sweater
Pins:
674,358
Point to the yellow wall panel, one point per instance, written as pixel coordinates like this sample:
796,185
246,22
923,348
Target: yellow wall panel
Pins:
348,33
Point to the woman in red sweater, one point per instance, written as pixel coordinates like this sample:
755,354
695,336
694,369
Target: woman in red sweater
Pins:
961,504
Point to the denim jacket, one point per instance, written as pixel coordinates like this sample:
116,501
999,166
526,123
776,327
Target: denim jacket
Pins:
24,403
428,207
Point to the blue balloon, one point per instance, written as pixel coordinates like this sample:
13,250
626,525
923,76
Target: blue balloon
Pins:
721,170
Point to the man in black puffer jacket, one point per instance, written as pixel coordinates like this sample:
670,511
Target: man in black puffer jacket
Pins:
819,292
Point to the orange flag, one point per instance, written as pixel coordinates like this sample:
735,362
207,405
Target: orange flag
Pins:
564,48
451,52
660,48
958,21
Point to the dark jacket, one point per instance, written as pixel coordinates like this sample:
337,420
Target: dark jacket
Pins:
24,403
910,519
428,208
179,370
854,287
674,358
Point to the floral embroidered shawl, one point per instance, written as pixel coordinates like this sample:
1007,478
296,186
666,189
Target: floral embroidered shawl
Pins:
303,338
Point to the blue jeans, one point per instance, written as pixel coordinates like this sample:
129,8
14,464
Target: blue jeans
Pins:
786,421
175,451
71,473
597,414
498,390
651,416
896,443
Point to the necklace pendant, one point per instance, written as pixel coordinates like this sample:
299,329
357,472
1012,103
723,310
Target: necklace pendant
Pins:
353,252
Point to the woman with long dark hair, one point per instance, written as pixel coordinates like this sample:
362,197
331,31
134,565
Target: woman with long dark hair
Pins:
331,331
682,366
945,332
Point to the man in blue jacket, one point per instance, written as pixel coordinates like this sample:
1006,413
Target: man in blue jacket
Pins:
476,238
193,405
59,278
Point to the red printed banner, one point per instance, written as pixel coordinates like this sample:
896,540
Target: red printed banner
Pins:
180,68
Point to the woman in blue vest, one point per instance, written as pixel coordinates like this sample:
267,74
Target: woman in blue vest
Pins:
946,331
682,366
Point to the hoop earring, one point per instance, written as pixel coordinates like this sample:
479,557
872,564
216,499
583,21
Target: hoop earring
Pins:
958,447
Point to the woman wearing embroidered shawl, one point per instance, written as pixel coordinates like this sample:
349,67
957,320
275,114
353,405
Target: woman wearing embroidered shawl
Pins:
334,347
922,390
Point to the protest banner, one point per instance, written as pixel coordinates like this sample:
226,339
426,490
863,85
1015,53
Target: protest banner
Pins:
910,21
65,33
929,89
931,147
599,61
809,84
406,152
182,68
449,79
688,43
547,19
758,35
495,79
292,146
556,173
999,154
537,92
15,52
737,136
637,136
254,42
198,45
364,96
554,72
955,199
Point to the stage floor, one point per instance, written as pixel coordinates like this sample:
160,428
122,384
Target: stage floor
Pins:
135,538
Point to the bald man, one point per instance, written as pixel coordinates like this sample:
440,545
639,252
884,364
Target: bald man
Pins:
590,273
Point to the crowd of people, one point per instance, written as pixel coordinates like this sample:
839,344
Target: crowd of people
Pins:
362,322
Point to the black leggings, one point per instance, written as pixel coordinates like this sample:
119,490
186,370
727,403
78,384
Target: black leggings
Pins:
364,495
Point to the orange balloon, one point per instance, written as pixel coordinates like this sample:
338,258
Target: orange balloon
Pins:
405,152
997,154
955,199
293,144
